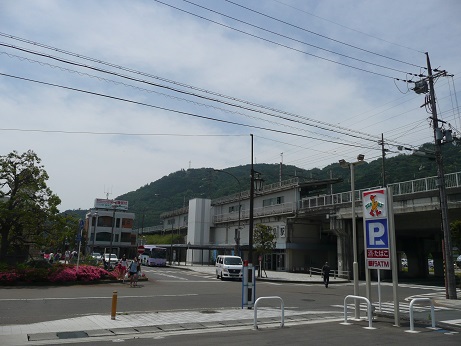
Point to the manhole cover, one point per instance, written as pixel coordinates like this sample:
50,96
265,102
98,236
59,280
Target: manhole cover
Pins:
208,312
309,300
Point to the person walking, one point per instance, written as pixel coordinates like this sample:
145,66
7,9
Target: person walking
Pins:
123,265
133,272
326,274
138,273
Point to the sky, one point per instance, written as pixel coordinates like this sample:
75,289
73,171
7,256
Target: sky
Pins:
115,94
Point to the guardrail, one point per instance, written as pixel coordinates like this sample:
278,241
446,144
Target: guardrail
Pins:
412,320
370,317
318,271
409,187
282,307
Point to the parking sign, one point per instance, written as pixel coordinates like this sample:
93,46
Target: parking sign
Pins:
376,230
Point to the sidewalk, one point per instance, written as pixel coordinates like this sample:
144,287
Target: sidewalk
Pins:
271,275
101,327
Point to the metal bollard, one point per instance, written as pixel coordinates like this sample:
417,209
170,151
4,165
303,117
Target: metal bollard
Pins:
114,305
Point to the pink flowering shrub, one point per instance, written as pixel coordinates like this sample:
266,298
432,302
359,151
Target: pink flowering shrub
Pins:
64,275
90,273
9,278
56,274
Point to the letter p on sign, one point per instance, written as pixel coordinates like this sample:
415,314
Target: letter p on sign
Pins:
377,234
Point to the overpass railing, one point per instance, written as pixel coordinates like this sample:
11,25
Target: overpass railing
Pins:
452,180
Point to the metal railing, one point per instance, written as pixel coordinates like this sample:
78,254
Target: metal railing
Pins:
412,320
278,209
452,180
369,310
282,308
333,272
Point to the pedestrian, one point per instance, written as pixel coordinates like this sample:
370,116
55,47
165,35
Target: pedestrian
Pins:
51,257
138,272
123,264
326,274
133,272
67,257
57,256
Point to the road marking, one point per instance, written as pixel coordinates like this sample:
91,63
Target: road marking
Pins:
110,297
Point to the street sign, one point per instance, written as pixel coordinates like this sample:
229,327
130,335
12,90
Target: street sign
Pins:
377,255
141,249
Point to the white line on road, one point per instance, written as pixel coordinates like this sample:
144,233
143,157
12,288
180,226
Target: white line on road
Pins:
105,297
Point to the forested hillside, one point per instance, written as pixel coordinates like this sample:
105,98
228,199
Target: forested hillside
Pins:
174,191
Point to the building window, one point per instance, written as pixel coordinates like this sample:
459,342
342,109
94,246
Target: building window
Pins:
103,236
126,237
234,208
105,221
127,223
273,201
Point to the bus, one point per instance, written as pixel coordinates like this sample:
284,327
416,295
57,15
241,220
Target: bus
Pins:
153,256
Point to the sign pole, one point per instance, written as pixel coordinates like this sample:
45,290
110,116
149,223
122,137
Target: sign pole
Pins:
376,210
395,276
80,225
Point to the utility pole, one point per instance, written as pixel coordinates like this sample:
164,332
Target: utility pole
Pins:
383,152
450,282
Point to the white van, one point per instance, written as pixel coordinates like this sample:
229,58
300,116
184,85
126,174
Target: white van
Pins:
229,267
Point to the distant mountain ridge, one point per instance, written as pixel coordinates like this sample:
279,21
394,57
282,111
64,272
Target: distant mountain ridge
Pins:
174,190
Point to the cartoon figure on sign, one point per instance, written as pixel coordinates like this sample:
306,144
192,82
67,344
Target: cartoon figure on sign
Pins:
374,206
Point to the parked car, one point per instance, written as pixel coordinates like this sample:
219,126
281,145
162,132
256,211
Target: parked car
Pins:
229,267
97,256
430,263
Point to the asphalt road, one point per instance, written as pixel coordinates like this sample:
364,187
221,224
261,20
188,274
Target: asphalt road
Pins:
171,289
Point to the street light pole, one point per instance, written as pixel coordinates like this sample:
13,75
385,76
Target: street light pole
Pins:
114,206
171,244
253,181
252,195
355,265
94,235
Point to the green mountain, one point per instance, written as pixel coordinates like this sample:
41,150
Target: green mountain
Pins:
174,191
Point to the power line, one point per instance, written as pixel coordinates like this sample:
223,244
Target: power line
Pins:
323,36
349,28
315,123
120,133
295,40
174,111
80,56
283,45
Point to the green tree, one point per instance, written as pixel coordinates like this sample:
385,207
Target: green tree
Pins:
28,208
264,241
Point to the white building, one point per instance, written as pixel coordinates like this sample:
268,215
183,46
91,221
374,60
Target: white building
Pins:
100,222
216,227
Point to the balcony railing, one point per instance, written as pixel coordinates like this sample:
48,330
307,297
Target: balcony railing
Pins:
279,209
452,180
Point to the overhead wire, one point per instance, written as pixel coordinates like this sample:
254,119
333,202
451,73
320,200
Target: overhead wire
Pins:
349,28
172,89
285,36
322,36
280,44
172,110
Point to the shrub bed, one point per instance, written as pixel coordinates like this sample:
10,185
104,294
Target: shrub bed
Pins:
58,273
